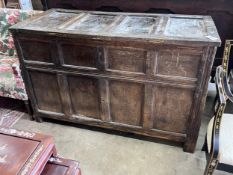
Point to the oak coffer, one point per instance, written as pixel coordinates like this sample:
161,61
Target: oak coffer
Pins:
141,73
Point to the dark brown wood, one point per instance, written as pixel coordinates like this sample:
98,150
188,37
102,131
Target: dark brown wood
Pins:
220,11
23,152
139,73
28,107
61,166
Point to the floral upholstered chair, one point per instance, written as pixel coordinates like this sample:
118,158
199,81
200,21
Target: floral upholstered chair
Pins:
11,82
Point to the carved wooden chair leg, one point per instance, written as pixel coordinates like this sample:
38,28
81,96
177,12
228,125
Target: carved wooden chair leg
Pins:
211,166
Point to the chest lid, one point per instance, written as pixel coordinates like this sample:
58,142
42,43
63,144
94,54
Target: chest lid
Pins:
156,28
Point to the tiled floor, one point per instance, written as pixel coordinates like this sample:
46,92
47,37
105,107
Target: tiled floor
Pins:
102,153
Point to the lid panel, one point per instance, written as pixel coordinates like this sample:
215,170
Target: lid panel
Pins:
186,27
93,23
52,20
136,25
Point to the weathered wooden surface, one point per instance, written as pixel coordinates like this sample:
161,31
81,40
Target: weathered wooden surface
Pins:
220,11
151,28
124,71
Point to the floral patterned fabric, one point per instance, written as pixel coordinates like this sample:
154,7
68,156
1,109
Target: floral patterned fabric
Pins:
9,17
11,82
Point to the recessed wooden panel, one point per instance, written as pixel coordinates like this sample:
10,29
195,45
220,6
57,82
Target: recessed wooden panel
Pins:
186,27
174,63
37,51
84,93
46,90
172,108
93,23
130,60
136,25
126,102
53,20
77,55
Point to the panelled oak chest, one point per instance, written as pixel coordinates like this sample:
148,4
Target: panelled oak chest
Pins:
141,73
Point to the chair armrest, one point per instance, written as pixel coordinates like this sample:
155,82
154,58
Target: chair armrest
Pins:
220,107
220,77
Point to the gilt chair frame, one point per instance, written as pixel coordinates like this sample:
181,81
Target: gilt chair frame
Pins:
224,94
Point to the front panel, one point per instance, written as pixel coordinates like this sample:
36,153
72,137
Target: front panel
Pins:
172,108
179,62
128,60
84,94
37,51
79,55
46,91
122,98
148,90
126,102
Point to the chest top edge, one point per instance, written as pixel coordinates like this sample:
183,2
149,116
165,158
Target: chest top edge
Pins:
130,26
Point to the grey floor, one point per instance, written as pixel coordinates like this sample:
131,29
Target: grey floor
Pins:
103,153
